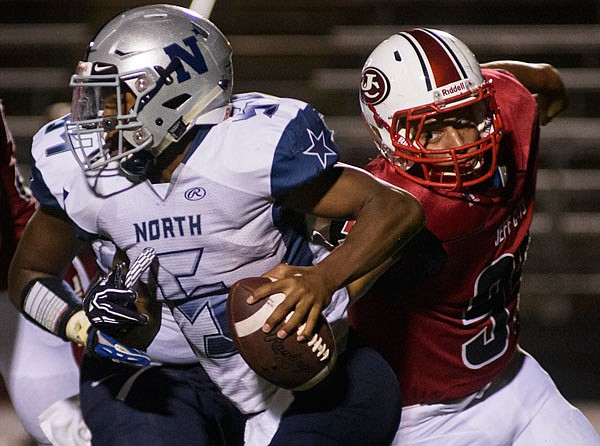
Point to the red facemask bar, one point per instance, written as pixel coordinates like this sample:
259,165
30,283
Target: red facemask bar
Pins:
454,168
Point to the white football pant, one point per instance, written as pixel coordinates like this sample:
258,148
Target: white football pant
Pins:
527,411
38,368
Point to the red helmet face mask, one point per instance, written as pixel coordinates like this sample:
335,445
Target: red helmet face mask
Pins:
414,85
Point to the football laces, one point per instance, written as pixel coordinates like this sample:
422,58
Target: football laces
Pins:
318,346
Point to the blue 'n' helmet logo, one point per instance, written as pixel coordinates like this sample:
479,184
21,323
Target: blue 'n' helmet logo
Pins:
195,59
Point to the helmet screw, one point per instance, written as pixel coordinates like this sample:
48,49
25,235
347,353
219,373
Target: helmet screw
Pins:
138,136
159,121
141,84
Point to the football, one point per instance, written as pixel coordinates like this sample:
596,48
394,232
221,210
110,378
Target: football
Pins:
287,363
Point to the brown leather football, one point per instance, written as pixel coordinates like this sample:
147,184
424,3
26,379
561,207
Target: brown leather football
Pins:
287,362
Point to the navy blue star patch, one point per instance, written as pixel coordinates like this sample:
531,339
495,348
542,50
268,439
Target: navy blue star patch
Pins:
319,147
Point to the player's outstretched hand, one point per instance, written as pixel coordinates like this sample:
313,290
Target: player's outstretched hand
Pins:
110,306
306,292
103,346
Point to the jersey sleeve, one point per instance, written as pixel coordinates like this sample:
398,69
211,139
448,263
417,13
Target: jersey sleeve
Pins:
268,147
305,149
45,183
55,175
518,109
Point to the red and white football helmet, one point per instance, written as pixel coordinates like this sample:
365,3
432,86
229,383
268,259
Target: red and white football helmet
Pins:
417,75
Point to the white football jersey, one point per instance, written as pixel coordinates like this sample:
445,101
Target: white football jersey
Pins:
216,222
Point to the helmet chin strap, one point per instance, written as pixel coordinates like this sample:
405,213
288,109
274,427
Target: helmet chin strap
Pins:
136,165
189,118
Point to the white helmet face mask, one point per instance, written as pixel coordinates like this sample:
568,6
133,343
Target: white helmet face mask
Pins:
418,76
150,74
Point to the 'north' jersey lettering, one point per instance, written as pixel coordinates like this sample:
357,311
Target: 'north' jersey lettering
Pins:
167,227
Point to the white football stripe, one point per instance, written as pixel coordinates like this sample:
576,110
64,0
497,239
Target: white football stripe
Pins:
317,378
257,320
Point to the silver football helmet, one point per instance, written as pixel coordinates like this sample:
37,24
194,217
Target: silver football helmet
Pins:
149,75
415,76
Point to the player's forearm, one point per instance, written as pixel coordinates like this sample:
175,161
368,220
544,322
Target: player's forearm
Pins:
35,284
385,223
46,250
360,286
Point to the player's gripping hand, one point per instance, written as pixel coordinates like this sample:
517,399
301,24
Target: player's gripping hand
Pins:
110,306
100,345
307,293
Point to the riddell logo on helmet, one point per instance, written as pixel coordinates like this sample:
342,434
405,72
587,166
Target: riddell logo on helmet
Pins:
374,86
453,89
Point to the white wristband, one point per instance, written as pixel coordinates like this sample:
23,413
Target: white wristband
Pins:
49,303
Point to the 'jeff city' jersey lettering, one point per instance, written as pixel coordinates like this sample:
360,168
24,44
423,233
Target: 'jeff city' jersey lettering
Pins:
512,221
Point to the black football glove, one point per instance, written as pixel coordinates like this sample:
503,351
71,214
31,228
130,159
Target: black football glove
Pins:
110,305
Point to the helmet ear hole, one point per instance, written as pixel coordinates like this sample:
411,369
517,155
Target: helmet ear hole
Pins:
177,101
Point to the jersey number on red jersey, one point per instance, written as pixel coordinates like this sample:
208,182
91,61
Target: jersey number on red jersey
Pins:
495,289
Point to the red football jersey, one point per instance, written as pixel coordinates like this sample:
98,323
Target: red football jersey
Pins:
446,315
15,210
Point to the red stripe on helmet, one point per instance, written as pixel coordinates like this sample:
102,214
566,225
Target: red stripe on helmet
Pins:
443,67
